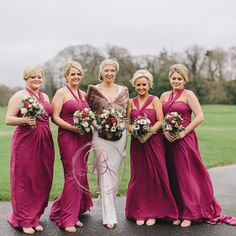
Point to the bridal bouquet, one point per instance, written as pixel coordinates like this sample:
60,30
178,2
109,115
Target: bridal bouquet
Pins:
111,124
141,126
30,107
83,119
173,122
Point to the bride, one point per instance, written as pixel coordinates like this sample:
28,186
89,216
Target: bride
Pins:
108,154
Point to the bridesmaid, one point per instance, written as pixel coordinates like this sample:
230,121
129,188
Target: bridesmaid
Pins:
148,196
190,181
75,198
32,156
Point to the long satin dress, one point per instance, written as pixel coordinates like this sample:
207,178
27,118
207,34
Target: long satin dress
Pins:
75,198
190,181
148,195
108,155
32,158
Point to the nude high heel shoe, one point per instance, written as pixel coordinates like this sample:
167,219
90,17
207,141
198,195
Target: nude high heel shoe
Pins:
39,228
140,222
176,222
185,223
110,226
150,222
70,229
28,230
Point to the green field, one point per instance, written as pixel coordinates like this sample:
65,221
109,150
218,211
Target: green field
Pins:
217,138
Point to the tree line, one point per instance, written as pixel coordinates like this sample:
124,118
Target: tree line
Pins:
212,72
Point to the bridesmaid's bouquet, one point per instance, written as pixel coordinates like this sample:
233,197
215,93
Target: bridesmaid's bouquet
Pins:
30,107
111,124
83,120
173,122
141,126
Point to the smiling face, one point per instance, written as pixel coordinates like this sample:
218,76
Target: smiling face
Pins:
142,86
177,81
74,77
35,79
109,73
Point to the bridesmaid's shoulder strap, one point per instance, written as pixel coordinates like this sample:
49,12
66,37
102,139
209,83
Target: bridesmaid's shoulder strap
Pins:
148,101
41,97
81,97
136,103
72,93
30,92
173,98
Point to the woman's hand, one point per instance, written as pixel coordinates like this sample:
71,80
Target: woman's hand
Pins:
77,130
141,139
182,134
144,138
169,137
130,129
29,120
173,138
95,125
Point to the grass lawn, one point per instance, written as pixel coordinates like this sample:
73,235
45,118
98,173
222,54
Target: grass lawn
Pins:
217,139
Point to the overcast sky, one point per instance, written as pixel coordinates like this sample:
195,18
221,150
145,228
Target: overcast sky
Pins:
34,31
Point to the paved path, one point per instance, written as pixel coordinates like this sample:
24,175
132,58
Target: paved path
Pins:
224,180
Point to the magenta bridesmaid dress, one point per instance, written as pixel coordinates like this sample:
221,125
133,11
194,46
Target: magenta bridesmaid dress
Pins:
32,158
75,198
149,195
190,181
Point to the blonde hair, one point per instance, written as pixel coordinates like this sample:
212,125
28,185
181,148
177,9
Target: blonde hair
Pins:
31,70
108,61
142,73
180,69
73,64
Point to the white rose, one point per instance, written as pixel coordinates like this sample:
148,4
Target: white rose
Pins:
143,122
23,111
39,112
76,113
35,105
85,124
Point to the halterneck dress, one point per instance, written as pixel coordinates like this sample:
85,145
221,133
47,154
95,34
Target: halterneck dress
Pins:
190,182
148,195
75,198
32,159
